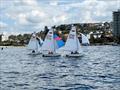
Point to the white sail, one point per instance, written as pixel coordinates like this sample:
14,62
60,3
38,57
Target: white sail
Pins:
72,43
79,46
33,43
85,39
41,41
49,44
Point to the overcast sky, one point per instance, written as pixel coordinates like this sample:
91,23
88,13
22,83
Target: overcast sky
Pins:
26,16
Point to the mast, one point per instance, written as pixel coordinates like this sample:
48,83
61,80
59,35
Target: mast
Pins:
36,42
76,39
36,45
53,40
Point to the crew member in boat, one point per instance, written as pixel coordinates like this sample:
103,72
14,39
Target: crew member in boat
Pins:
74,52
2,48
50,52
80,38
33,51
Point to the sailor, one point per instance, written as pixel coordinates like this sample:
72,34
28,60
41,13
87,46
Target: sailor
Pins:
49,52
76,52
33,51
80,38
2,48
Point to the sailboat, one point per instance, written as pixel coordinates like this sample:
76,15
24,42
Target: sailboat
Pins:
34,44
49,45
85,41
72,44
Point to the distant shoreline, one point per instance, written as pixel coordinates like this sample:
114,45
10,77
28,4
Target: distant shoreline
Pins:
12,46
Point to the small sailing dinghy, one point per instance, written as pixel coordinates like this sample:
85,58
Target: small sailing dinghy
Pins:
49,45
72,44
34,45
85,40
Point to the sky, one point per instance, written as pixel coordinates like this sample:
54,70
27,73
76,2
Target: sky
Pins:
27,16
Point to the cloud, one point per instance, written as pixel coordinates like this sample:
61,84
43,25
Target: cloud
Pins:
33,15
22,19
29,2
3,25
54,3
36,16
25,2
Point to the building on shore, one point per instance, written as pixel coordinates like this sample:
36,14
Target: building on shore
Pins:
116,25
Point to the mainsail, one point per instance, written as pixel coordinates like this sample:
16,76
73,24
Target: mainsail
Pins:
49,44
85,39
72,43
34,43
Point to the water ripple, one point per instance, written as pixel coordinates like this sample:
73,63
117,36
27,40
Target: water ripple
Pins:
98,69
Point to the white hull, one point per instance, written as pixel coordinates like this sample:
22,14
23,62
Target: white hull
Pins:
73,55
51,55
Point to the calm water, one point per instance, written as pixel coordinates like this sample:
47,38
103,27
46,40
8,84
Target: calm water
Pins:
98,69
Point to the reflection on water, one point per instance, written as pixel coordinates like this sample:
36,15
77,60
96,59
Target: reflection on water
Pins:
98,69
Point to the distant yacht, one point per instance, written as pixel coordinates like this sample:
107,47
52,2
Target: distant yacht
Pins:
72,44
34,44
50,45
85,40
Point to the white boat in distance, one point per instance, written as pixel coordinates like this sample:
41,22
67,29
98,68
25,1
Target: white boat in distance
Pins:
85,40
49,45
72,44
34,45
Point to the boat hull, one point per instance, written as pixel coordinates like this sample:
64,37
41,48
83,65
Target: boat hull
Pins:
73,55
51,55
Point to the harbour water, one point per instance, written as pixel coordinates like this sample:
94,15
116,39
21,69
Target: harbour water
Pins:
98,69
